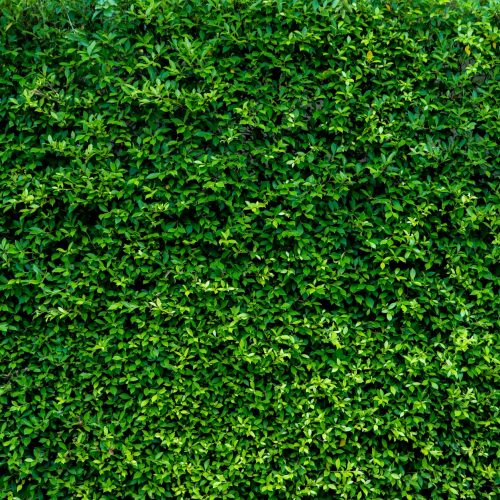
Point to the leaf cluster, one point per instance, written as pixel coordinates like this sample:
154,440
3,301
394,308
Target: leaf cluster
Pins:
249,249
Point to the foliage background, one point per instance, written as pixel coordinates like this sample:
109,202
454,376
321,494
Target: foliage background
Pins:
249,249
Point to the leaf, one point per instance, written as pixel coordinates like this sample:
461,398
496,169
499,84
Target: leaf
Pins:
369,56
90,48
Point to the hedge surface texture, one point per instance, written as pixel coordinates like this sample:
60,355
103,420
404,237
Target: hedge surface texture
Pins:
249,249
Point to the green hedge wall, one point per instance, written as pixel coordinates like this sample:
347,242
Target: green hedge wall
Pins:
249,249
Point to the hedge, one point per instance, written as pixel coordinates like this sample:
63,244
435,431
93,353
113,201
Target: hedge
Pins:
249,249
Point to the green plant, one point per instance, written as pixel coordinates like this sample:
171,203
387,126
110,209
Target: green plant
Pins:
249,249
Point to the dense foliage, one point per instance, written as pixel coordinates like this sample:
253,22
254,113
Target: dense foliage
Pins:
249,249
